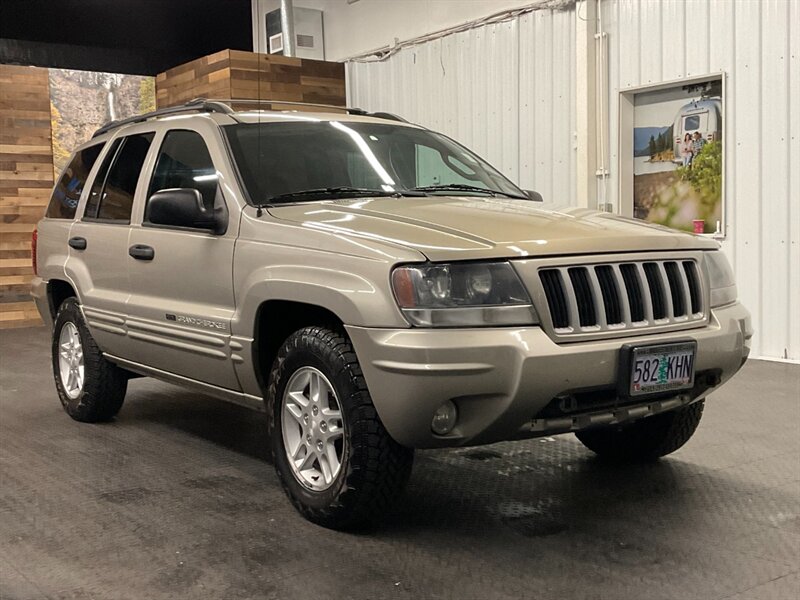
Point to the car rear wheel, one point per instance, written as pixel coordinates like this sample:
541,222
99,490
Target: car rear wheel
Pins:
647,439
336,461
90,388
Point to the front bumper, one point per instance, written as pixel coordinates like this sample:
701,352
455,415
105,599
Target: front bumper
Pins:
503,379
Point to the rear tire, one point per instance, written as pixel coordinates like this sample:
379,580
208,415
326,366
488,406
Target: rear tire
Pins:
351,483
647,439
90,388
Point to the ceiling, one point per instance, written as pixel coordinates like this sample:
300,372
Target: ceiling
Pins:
145,36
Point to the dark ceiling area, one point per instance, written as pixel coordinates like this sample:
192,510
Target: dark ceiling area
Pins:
125,36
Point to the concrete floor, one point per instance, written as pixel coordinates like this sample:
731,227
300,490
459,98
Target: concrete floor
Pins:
176,499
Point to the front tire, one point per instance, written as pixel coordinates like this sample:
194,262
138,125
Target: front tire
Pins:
90,388
336,461
647,439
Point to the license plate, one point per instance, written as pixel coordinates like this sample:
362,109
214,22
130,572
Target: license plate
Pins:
663,368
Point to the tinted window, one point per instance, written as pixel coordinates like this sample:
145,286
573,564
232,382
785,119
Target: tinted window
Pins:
99,181
283,158
691,123
116,202
184,162
68,191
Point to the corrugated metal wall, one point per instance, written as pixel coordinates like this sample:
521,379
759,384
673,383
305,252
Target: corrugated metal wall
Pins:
508,91
505,90
757,45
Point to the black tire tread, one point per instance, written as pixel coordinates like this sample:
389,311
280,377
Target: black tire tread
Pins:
645,440
105,384
378,467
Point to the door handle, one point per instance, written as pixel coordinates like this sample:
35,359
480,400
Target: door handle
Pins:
79,243
142,252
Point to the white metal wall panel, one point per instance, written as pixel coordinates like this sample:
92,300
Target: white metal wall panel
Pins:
505,90
757,45
508,91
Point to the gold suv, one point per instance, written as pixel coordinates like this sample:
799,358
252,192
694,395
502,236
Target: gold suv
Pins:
375,287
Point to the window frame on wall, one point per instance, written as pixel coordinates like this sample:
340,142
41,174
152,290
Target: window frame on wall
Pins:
625,158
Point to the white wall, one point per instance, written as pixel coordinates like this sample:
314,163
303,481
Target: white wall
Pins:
365,25
505,90
757,46
508,90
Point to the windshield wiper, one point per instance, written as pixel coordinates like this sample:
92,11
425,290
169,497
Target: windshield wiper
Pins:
465,187
341,192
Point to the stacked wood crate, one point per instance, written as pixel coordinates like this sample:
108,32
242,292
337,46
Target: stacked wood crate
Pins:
246,75
26,178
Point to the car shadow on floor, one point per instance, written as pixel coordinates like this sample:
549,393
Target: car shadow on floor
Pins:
533,488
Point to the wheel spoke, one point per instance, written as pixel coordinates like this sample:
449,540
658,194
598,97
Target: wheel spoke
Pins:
314,387
296,412
299,399
307,461
332,458
325,467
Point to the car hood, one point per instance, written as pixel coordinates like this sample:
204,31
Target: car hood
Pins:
467,228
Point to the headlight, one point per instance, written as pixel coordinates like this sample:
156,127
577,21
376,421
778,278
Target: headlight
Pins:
720,279
462,295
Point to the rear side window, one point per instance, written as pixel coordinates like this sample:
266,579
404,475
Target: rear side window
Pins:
99,181
115,200
184,162
68,191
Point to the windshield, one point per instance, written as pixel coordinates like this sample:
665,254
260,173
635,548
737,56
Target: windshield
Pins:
304,161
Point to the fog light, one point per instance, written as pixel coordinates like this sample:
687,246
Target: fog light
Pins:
444,419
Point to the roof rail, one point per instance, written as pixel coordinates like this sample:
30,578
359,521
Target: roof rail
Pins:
223,106
269,102
198,104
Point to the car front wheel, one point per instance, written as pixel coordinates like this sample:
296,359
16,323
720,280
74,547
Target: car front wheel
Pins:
336,461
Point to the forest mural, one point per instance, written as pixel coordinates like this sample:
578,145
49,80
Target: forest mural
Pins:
82,101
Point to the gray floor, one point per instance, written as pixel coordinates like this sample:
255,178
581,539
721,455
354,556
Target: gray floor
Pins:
176,499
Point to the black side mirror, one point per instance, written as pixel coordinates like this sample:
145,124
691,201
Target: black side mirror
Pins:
535,196
182,207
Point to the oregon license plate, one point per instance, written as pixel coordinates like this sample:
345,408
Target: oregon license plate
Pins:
663,368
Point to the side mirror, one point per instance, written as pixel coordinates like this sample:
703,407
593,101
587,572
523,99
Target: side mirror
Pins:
182,207
535,196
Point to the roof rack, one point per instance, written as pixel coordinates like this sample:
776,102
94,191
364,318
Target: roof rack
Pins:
198,104
347,109
223,106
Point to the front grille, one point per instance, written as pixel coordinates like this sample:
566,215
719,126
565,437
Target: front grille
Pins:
619,296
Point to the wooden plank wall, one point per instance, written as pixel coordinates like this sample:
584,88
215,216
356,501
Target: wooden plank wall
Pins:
247,75
26,179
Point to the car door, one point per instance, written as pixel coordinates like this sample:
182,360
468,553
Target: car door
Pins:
97,261
181,301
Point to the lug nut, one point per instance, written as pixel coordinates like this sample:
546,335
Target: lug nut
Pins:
305,419
319,445
315,410
308,440
323,426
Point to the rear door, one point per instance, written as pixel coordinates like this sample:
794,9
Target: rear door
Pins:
181,300
97,260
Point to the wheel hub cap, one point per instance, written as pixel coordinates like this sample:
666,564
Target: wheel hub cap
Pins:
312,428
70,360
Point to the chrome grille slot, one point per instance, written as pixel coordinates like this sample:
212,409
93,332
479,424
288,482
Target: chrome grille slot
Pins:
676,289
615,297
654,283
583,296
610,292
693,283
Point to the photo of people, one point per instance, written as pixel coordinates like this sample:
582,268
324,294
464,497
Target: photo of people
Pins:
677,144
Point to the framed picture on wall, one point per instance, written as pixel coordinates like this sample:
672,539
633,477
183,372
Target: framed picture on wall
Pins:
675,155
